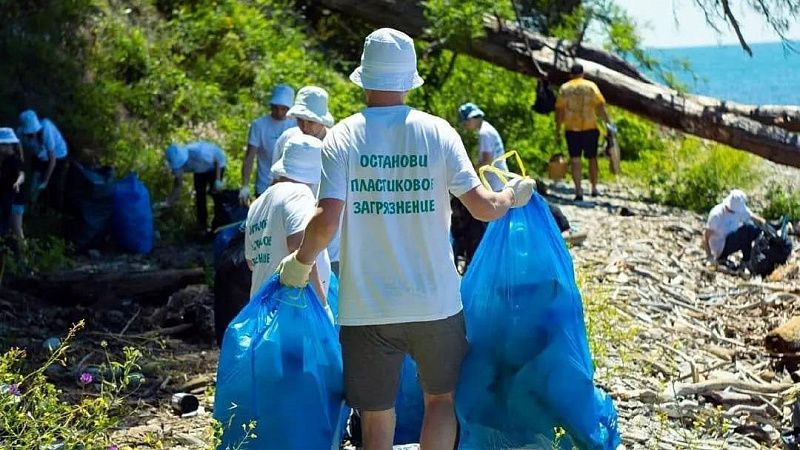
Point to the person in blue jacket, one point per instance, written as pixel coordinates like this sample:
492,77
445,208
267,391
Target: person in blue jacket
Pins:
206,161
43,139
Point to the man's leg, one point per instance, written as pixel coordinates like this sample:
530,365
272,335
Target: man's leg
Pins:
372,357
590,141
577,176
438,347
593,175
740,240
574,149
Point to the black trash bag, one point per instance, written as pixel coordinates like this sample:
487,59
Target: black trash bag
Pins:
227,208
89,204
466,230
770,249
231,284
545,102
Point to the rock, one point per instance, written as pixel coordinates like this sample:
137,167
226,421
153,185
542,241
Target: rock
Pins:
785,338
754,432
192,305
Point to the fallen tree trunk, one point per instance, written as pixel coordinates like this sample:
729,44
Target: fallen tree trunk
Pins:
764,131
91,287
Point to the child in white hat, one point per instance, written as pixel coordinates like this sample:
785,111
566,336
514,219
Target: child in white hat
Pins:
277,219
261,139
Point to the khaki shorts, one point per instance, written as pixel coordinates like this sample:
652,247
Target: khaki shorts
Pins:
373,355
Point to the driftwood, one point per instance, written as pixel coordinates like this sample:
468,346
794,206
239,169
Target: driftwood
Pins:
767,131
90,287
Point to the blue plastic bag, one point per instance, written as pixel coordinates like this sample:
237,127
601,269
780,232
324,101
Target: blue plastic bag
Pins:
333,298
528,370
409,406
132,222
281,368
222,237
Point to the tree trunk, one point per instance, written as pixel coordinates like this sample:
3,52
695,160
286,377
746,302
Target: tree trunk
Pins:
765,131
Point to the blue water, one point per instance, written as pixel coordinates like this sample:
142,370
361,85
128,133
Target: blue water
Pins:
771,76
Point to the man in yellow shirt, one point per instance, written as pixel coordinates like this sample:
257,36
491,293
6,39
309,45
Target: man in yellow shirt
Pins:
577,108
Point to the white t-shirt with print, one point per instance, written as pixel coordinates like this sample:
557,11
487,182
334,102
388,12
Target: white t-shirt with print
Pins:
264,133
490,142
722,222
394,168
283,210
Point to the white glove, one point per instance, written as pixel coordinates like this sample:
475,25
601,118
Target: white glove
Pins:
329,312
611,127
522,189
217,185
294,273
244,195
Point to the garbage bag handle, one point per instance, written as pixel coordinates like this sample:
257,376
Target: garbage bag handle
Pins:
504,175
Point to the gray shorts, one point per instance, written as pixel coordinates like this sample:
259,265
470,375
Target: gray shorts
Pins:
373,355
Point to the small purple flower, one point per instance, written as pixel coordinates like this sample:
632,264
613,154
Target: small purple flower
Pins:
14,390
86,378
112,447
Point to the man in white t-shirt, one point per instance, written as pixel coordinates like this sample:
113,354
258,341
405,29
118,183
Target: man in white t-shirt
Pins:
730,228
277,219
490,144
390,170
261,139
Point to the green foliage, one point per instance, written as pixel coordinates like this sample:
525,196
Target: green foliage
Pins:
34,413
692,174
781,202
43,255
459,21
636,136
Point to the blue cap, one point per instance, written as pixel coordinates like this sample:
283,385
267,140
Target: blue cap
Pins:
282,95
7,136
30,122
177,156
468,111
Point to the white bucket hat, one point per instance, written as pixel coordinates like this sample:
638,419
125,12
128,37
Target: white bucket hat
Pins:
301,160
282,95
311,104
736,201
30,122
177,155
7,136
388,63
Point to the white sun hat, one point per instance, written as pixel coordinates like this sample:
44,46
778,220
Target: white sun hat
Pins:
282,95
30,122
177,155
736,201
301,160
311,104
388,63
7,136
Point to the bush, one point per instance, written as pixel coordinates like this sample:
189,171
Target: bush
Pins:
781,202
36,414
693,174
636,136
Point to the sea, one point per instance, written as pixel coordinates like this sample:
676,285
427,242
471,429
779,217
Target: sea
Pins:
770,77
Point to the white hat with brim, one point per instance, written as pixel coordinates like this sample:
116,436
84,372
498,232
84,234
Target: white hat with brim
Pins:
30,122
388,63
7,136
312,104
736,201
177,156
301,160
282,95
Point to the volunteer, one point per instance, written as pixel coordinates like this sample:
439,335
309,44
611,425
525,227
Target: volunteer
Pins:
389,170
261,138
731,228
490,144
12,179
49,148
310,109
577,108
206,161
277,219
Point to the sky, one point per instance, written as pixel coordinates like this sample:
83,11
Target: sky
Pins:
681,23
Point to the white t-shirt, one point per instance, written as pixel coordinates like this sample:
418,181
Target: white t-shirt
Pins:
723,222
393,167
489,141
264,133
283,210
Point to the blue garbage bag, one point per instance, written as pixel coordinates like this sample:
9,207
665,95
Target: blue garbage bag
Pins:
409,406
132,222
222,237
529,369
281,369
333,298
